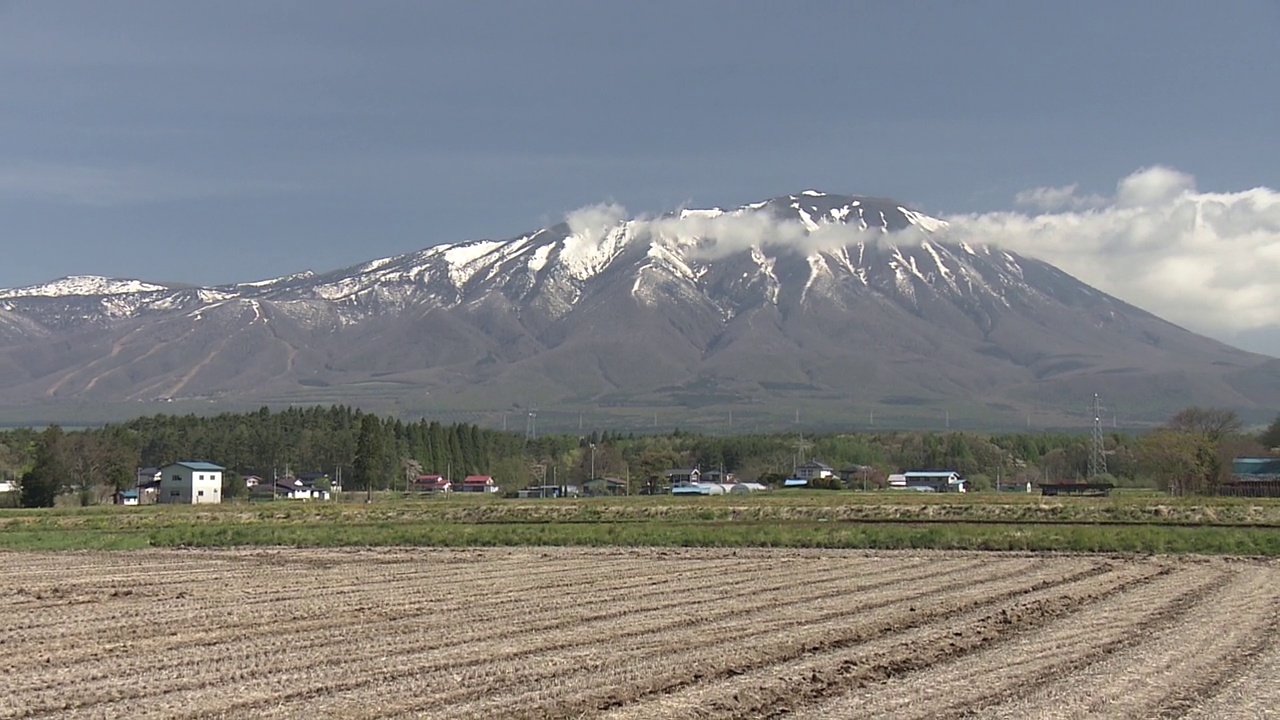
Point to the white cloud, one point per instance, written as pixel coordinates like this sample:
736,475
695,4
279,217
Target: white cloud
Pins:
709,236
595,220
1207,261
1153,186
1058,198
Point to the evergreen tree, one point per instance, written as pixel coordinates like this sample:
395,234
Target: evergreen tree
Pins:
370,468
40,484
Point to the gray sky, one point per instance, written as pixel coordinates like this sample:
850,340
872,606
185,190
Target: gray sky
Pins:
213,142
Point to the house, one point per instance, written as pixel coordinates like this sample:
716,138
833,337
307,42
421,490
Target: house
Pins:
550,491
191,482
682,476
288,488
127,497
717,476
931,481
856,473
432,483
596,487
316,478
148,477
480,484
147,483
813,470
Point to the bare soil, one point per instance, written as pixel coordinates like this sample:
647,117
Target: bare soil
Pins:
635,633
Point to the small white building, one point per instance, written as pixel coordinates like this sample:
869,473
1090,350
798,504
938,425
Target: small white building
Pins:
191,483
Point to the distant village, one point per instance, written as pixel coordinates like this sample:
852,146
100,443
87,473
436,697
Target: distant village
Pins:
199,482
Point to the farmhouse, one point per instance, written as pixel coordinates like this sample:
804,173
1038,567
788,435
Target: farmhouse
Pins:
431,483
813,470
596,487
147,483
718,476
191,482
479,483
289,488
682,476
929,481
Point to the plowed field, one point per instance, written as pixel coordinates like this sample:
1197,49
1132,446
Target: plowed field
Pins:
635,633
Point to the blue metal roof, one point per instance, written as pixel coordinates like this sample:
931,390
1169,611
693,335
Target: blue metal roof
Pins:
1255,466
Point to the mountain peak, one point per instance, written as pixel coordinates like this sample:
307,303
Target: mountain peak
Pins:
81,285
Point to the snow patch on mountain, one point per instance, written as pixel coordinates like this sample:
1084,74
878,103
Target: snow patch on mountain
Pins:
83,285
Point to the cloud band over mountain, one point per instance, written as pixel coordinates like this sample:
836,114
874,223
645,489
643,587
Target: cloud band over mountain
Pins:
1206,260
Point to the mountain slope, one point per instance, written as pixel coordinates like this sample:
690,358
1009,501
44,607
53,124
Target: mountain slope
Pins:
838,304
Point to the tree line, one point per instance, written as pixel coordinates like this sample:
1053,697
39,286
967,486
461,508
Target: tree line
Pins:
1191,453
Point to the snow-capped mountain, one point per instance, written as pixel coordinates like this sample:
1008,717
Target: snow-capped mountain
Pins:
810,299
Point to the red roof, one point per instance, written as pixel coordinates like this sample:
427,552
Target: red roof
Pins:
478,480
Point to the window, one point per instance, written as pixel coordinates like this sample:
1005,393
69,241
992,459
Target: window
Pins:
200,493
175,493
199,477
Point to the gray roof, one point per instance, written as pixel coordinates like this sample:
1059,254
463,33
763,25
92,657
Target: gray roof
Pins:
198,465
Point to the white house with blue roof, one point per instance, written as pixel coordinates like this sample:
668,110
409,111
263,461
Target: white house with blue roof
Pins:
190,482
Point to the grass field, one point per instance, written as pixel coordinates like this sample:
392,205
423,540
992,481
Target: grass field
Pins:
1137,523
635,633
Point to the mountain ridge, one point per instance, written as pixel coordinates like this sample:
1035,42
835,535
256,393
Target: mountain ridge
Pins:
837,302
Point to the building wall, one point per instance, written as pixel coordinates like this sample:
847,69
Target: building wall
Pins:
184,486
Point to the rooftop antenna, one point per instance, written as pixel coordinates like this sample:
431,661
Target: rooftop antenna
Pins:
1097,454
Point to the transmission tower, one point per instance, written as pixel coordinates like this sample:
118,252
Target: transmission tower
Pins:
531,426
800,446
1097,454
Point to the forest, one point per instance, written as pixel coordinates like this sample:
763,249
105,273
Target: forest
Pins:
1189,454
